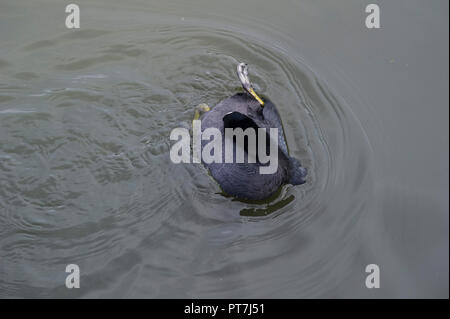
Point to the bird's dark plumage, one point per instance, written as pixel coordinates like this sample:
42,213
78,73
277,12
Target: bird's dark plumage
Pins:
243,180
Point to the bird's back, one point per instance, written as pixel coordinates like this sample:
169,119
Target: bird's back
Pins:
244,179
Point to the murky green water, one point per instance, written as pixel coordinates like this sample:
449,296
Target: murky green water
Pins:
86,178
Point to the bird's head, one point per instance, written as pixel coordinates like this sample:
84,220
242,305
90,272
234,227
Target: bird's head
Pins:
242,72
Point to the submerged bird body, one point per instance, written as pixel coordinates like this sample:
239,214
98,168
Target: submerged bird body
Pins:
244,180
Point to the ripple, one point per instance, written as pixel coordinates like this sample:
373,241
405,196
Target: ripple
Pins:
6,98
85,174
25,75
87,62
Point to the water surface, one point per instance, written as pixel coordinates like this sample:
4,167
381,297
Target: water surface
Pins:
86,178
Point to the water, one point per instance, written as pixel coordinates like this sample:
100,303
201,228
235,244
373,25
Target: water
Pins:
85,174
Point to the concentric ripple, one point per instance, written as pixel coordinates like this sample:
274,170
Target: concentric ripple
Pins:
85,174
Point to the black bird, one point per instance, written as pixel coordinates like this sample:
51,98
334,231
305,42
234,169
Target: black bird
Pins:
248,110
